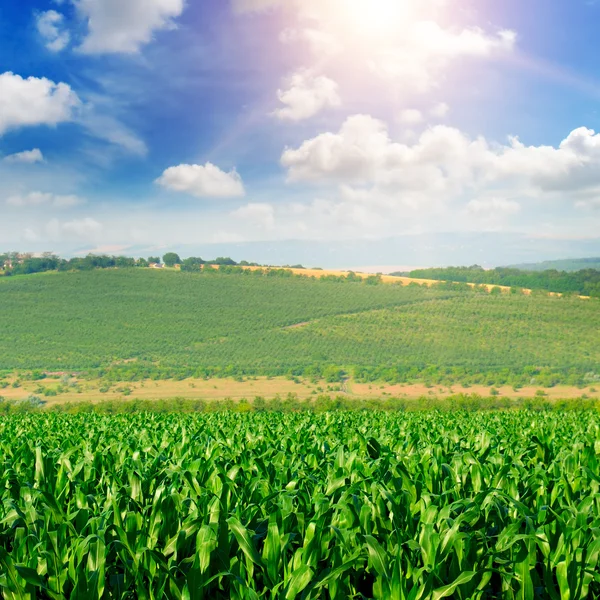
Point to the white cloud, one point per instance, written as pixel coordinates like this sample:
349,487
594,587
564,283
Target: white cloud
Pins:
318,218
321,43
33,101
87,229
426,49
44,199
445,165
572,167
27,156
343,214
439,111
432,39
258,213
118,26
411,116
39,101
306,95
83,228
51,27
203,181
403,42
353,154
106,127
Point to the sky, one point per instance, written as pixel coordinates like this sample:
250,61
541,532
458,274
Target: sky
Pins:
277,127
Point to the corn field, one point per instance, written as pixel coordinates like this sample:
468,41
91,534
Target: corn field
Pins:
334,506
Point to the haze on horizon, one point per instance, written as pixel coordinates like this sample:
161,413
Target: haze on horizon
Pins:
351,132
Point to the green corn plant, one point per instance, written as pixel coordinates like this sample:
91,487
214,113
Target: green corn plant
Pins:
406,506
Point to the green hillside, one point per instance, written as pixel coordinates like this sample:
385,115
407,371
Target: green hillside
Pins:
569,265
137,322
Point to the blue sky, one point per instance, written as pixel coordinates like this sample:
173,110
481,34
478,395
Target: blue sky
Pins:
136,125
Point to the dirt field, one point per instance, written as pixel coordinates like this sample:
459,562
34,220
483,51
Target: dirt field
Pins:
418,390
395,279
219,389
384,278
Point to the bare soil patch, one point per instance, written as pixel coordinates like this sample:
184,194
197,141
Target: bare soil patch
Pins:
417,390
220,389
298,325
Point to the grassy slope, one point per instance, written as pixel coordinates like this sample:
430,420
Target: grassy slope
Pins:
89,319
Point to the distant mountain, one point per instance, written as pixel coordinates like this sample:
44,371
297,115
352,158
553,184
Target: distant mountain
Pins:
569,264
400,253
489,249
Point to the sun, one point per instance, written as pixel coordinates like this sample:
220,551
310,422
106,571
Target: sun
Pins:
376,16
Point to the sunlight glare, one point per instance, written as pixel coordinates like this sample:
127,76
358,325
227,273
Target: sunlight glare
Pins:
377,16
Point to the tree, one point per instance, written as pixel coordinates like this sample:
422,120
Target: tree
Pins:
153,260
124,262
194,260
171,259
224,260
191,264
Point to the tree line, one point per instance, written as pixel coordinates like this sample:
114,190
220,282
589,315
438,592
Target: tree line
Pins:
585,282
14,263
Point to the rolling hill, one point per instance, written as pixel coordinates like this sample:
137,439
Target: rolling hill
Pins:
142,323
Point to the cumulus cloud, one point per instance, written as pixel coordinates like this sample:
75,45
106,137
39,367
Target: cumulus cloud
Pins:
44,199
444,163
203,181
306,95
353,154
34,101
51,27
572,167
39,101
432,39
27,156
115,26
